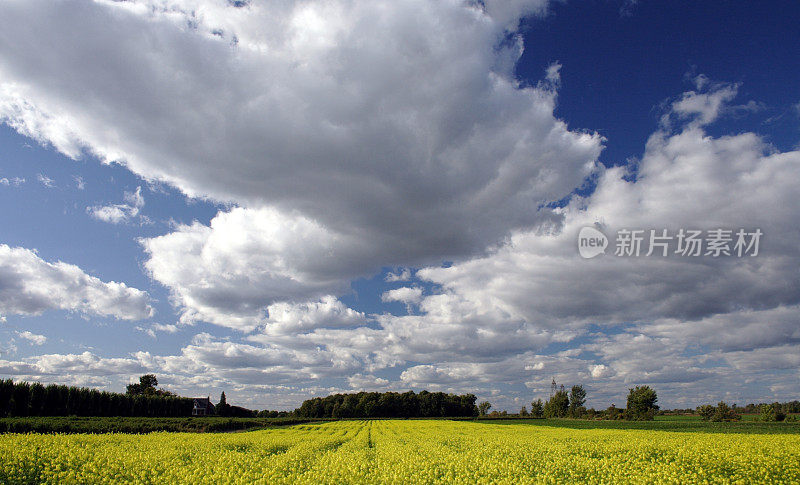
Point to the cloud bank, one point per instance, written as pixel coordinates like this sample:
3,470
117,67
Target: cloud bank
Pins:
350,136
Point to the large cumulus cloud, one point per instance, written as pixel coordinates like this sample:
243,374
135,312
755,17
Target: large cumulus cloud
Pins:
30,285
396,128
397,121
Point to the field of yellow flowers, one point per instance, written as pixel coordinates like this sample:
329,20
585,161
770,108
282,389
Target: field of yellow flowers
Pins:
403,452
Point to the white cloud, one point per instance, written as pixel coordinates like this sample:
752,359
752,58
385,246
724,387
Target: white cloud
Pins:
46,128
599,371
45,180
554,73
228,273
408,295
289,319
368,382
15,181
780,357
403,275
8,348
153,329
450,327
119,213
112,214
29,286
706,104
80,184
701,81
70,368
32,337
627,8
744,330
135,199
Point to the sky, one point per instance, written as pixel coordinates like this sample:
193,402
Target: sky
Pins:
289,199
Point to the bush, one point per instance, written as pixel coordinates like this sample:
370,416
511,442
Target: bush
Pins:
613,412
723,412
772,412
706,412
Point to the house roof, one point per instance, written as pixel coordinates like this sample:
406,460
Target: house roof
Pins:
202,402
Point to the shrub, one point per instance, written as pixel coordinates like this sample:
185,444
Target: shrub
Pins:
772,412
723,412
706,412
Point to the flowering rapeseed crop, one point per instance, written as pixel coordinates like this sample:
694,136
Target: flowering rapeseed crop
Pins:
403,452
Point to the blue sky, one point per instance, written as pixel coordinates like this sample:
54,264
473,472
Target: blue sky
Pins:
327,197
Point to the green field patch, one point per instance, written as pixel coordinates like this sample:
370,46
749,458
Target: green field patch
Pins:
686,424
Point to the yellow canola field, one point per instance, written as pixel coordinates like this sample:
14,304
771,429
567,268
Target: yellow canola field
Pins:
403,452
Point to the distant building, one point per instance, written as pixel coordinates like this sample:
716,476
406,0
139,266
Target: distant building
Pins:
202,407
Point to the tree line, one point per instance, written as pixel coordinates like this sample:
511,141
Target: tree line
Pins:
145,399
142,399
641,405
766,412
25,399
389,405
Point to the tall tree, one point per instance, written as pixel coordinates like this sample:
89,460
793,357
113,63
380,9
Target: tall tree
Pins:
223,408
577,398
641,404
147,385
484,407
537,408
148,381
36,400
558,405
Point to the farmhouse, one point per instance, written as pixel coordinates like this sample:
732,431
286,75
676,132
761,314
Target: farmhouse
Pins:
202,407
